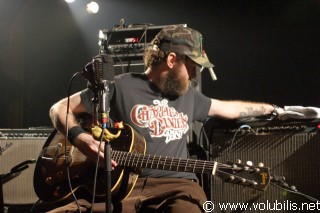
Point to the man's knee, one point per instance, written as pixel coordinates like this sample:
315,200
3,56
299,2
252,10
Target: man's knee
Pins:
183,204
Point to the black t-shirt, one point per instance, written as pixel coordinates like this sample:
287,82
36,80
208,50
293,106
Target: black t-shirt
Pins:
163,123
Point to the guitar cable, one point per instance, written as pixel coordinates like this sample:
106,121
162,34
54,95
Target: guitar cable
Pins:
208,153
294,191
65,152
242,127
229,149
280,182
65,147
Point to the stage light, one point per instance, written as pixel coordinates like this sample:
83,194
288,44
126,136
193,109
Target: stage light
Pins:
92,7
69,1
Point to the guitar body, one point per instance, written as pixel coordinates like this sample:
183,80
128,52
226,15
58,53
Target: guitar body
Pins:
51,176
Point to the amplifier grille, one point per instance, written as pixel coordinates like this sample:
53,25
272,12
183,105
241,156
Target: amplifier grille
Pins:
289,152
15,148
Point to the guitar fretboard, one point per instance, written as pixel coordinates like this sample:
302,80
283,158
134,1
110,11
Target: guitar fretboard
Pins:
163,162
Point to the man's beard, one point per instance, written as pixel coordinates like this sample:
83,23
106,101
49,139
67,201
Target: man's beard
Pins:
173,87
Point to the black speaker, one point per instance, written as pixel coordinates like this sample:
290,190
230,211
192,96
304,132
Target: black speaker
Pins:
17,146
291,152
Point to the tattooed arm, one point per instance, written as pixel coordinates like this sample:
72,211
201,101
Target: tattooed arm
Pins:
239,109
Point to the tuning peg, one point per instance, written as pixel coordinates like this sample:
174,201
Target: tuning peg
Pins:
260,164
293,188
249,163
251,182
238,161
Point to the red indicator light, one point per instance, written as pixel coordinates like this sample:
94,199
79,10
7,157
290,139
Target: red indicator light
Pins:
132,40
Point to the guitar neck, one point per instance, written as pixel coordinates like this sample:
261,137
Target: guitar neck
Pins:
250,176
163,163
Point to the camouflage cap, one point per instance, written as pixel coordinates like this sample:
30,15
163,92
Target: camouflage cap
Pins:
183,40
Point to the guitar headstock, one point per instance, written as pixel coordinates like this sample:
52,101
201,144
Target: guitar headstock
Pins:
244,174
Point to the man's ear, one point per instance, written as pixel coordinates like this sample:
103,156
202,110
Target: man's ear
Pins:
171,59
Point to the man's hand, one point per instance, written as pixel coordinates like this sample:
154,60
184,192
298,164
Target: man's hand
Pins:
90,148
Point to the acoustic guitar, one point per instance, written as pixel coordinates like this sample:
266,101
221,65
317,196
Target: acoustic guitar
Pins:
51,180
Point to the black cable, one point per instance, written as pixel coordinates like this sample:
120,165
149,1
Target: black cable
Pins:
145,43
242,127
65,147
203,132
122,65
199,142
231,143
207,152
295,192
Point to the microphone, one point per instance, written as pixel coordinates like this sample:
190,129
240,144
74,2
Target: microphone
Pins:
88,74
97,65
213,75
103,74
103,68
98,71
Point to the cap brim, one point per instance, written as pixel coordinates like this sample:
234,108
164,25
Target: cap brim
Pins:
202,61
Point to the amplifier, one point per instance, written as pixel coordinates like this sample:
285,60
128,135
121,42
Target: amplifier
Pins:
17,146
129,42
136,66
289,149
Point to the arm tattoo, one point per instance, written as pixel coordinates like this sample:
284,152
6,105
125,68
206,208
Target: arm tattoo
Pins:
251,112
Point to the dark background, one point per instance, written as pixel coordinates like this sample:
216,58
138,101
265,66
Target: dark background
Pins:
262,50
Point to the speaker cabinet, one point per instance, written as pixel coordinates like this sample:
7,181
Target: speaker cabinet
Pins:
17,146
290,151
129,65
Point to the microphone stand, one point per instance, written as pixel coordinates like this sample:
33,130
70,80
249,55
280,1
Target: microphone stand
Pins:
102,93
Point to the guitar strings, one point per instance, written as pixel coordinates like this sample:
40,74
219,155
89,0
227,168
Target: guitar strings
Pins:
187,165
158,162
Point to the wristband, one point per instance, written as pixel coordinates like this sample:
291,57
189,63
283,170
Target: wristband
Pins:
73,133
